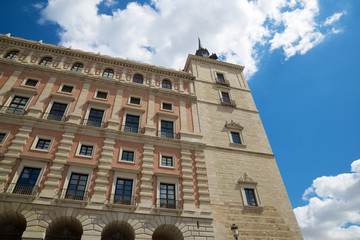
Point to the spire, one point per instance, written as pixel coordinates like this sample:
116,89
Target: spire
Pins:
199,43
203,52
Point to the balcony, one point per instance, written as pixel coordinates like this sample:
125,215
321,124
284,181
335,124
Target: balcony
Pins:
169,135
55,116
94,123
168,204
73,194
222,82
22,188
123,200
227,102
132,129
12,110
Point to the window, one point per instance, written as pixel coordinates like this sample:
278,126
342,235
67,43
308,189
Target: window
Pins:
127,155
167,195
12,54
167,129
86,150
250,197
235,136
225,97
167,161
123,191
108,72
77,67
66,88
2,137
166,106
31,82
138,78
101,94
46,61
135,100
57,111
166,84
132,123
27,180
95,117
43,144
220,77
18,105
76,187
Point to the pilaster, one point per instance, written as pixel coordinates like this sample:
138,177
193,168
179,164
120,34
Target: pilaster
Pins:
8,85
202,182
75,116
146,186
187,176
149,127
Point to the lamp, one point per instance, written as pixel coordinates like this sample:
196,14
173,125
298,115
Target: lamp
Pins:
235,231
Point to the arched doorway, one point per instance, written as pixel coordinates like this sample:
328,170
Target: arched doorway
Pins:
167,232
64,229
118,231
12,226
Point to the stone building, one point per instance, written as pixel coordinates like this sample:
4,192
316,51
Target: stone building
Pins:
96,147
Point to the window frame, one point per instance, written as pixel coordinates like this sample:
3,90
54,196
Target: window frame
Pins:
87,114
240,137
80,144
122,149
247,182
48,63
12,51
78,170
6,132
36,140
236,128
168,120
123,175
108,72
167,155
18,94
166,102
62,85
77,63
169,81
138,74
133,96
168,180
31,78
101,90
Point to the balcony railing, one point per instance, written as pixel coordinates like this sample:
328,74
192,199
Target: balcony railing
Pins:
222,82
74,194
123,200
169,135
55,116
94,123
22,188
133,129
227,102
12,110
168,203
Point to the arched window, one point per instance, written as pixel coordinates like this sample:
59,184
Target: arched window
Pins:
77,67
108,72
138,78
166,84
12,54
46,61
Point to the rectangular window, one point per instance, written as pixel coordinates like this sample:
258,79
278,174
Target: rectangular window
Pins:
250,197
123,191
67,88
167,106
101,94
225,97
26,182
167,129
167,195
95,117
167,161
57,111
132,123
235,137
220,77
135,100
17,105
2,138
86,150
127,156
31,82
77,186
43,144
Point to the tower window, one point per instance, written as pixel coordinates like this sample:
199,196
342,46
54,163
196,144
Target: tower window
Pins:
225,97
236,137
220,77
250,197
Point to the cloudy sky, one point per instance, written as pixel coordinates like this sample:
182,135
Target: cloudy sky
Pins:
301,59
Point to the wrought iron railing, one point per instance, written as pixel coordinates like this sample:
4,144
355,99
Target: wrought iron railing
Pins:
94,123
22,188
228,102
169,135
74,194
12,110
222,82
55,116
120,199
133,129
168,203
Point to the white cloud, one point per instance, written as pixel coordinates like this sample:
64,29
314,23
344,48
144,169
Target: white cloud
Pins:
334,18
333,209
236,29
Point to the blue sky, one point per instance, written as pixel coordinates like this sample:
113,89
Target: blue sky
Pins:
301,57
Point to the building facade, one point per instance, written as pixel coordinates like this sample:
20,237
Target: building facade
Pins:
96,147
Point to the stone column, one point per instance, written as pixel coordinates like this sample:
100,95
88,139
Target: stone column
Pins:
146,186
191,88
36,110
75,116
8,85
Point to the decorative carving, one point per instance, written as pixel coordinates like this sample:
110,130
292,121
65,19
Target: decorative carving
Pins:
246,179
233,125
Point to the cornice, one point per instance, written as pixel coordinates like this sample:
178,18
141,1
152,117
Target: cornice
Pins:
211,61
89,56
